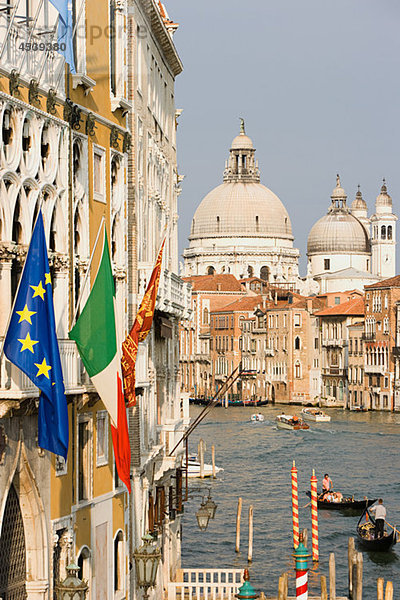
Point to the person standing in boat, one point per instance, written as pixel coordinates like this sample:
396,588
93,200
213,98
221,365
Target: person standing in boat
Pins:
380,515
327,484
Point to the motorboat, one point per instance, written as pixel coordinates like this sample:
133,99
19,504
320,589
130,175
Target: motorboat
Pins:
257,417
194,467
315,414
290,422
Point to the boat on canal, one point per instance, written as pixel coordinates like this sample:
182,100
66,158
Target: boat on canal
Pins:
257,417
315,414
231,403
291,422
194,467
344,503
366,535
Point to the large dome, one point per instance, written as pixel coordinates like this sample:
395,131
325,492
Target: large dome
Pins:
237,209
339,231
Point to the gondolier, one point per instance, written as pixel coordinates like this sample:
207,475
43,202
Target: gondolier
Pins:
380,515
327,484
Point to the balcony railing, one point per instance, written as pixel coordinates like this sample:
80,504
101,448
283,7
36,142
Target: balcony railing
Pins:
368,337
30,53
381,369
174,295
15,385
205,584
339,342
338,371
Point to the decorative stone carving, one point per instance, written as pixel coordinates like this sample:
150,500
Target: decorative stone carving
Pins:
33,92
120,273
127,143
59,261
114,137
6,406
72,114
7,251
14,84
3,444
51,101
90,125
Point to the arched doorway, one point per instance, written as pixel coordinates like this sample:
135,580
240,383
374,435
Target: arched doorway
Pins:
12,550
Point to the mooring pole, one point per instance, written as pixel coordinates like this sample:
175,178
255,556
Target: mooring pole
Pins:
238,514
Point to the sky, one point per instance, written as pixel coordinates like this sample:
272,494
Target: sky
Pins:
318,84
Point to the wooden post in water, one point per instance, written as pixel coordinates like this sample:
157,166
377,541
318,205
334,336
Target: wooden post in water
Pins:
238,514
389,591
201,457
250,551
332,577
213,461
283,587
350,553
359,571
324,591
379,586
305,537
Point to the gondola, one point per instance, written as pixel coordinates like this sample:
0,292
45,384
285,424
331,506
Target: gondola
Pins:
366,535
346,503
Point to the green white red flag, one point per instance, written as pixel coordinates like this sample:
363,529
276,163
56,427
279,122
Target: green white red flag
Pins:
95,334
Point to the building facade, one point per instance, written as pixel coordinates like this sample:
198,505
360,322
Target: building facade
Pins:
356,399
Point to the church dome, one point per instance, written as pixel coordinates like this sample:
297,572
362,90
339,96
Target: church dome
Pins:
235,209
384,200
339,231
359,202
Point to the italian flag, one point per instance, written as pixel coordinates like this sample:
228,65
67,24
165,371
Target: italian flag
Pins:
95,334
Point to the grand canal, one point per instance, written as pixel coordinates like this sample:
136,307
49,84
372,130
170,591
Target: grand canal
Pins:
360,451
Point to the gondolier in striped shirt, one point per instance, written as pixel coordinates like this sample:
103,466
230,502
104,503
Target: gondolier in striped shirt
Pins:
380,515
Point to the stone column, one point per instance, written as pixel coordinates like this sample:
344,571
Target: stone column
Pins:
6,257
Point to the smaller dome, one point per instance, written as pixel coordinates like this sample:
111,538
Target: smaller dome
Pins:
359,202
384,199
338,193
242,142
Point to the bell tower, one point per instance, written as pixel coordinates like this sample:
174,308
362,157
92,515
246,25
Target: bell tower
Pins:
383,236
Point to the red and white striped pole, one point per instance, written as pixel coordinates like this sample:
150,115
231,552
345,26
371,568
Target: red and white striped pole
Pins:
301,555
295,507
314,517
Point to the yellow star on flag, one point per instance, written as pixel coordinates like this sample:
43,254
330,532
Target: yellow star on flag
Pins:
25,315
43,369
27,343
47,278
39,290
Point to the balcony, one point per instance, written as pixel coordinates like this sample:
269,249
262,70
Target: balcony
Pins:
174,295
337,371
396,351
368,337
248,374
15,385
26,52
338,343
380,369
269,352
202,358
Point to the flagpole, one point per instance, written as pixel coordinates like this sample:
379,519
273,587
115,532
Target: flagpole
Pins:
103,220
19,283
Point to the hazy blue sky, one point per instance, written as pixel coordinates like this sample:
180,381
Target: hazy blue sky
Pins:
317,82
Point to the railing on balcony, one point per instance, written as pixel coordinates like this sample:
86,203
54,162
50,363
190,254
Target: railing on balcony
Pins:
207,584
15,385
31,52
381,369
338,371
174,294
337,342
368,337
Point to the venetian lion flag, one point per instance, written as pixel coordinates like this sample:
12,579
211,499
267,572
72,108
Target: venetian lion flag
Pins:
140,330
95,334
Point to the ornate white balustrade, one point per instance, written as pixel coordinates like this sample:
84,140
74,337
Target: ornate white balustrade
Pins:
32,55
15,385
174,294
205,584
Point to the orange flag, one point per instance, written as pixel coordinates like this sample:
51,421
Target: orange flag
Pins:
140,330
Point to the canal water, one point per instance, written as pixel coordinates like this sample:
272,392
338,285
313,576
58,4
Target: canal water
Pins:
360,451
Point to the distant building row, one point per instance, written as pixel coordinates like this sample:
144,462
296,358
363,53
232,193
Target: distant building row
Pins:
339,349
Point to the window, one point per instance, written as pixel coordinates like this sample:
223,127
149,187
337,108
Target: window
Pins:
119,562
327,264
297,343
297,370
337,299
297,320
383,232
389,232
99,174
84,457
102,438
316,343
386,382
84,565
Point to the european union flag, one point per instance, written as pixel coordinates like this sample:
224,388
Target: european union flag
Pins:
31,343
65,29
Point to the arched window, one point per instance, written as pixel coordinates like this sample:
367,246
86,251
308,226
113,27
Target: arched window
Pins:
297,343
206,315
257,224
264,273
250,271
83,563
218,224
383,232
389,232
297,370
210,271
119,562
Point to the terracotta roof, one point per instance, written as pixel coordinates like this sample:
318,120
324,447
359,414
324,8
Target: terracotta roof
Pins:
391,282
224,282
352,307
246,303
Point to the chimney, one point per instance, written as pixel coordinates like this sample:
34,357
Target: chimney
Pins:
309,305
218,287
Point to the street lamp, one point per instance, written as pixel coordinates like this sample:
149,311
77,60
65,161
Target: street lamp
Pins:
147,558
203,516
210,505
72,588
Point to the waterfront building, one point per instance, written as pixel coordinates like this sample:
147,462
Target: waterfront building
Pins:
380,343
159,419
348,250
69,157
356,398
242,227
208,293
226,343
334,325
